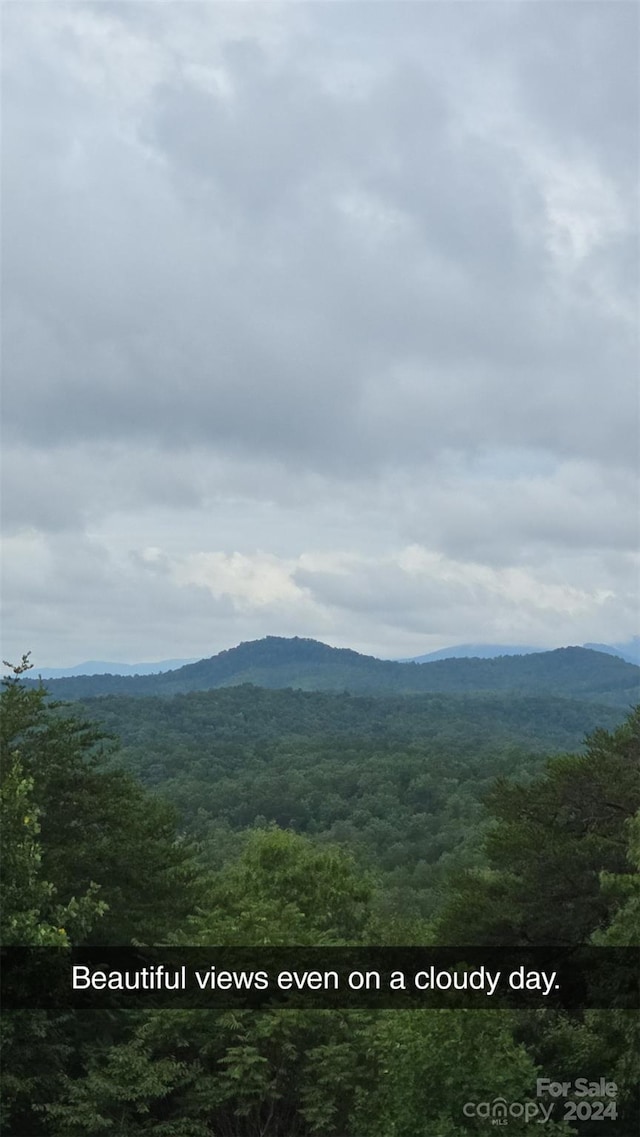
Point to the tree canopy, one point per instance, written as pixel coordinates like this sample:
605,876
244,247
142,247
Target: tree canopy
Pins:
302,838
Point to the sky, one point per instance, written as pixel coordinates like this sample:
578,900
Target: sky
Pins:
319,319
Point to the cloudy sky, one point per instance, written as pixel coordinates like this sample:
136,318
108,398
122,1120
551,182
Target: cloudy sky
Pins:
319,319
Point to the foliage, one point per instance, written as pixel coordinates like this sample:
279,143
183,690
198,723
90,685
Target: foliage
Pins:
87,827
563,858
29,913
555,843
431,1063
617,1031
284,890
324,819
624,890
399,781
87,855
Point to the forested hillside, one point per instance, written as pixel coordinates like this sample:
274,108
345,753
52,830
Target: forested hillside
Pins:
276,662
250,712
307,818
397,780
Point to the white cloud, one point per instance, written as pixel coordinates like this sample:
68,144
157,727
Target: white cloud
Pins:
259,581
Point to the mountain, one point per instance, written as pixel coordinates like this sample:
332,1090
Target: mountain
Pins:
472,651
629,651
275,662
100,667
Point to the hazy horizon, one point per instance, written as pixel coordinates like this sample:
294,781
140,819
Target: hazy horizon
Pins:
630,651
319,320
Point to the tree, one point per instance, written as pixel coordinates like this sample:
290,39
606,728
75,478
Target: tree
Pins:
552,841
263,1074
29,911
87,856
284,889
430,1064
617,1031
104,846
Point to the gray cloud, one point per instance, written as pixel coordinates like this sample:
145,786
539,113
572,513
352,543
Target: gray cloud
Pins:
281,281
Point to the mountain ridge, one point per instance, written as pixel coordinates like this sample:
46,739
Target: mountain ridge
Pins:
629,651
308,664
473,651
106,667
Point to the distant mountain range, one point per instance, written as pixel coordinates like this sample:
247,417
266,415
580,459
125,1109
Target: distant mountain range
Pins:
102,667
275,662
629,651
472,651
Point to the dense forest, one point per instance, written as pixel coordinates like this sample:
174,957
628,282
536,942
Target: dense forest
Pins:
256,816
398,781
